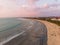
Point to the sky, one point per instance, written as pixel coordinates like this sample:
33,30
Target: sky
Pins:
29,8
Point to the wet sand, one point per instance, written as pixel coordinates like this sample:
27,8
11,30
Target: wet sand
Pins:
37,34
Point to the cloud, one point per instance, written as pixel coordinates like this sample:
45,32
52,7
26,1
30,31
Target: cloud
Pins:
31,1
10,8
50,10
24,12
45,6
54,5
50,6
56,0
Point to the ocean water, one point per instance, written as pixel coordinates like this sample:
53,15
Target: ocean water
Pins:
12,26
9,27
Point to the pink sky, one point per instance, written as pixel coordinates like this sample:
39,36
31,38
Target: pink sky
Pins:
12,8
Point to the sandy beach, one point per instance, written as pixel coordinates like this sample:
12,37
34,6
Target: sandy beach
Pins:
53,33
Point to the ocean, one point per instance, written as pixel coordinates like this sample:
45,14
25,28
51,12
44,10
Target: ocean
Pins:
9,27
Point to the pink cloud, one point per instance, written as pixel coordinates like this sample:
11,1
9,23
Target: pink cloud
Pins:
1,7
50,5
45,6
31,1
22,12
13,10
53,5
10,10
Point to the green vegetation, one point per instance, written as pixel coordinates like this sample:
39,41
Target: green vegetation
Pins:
54,21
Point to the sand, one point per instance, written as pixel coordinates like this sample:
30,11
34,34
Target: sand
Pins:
53,33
